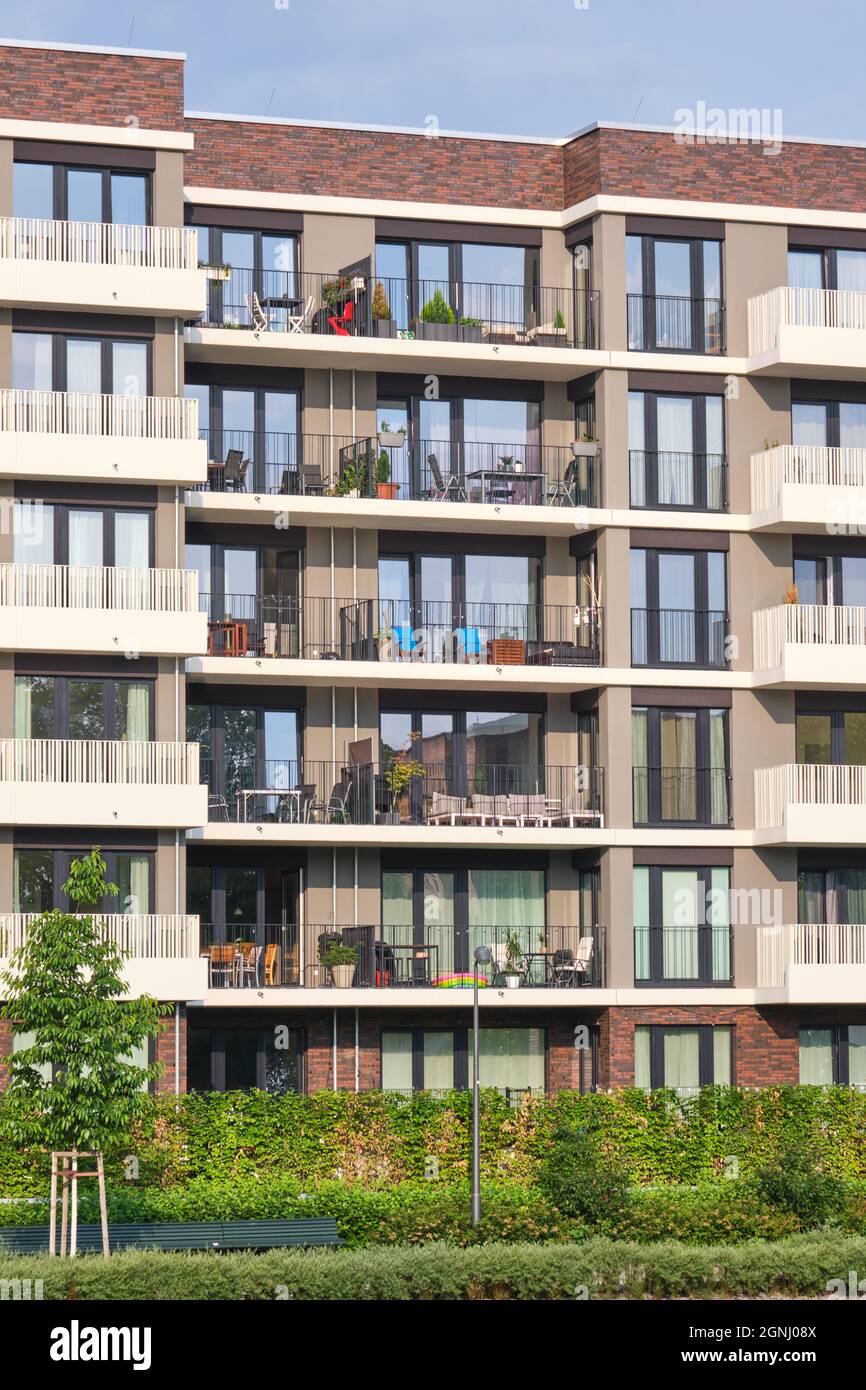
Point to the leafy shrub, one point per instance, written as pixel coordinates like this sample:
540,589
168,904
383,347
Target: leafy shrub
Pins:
795,1184
437,310
582,1182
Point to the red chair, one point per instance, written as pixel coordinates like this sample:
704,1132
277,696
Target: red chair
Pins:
340,323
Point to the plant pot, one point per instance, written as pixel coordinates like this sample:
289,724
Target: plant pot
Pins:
392,439
512,981
438,332
342,976
387,491
506,651
390,818
217,272
384,328
471,332
584,451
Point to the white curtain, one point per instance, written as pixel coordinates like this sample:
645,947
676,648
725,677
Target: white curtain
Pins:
23,707
682,1059
641,917
816,1057
637,446
438,1061
857,1054
136,899
511,1058
85,537
503,900
718,917
721,1056
851,270
396,1061
675,448
680,889
718,763
639,755
642,1058
137,712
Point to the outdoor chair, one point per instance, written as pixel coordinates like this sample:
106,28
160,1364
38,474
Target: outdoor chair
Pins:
528,809
297,323
569,967
492,809
235,471
337,810
248,965
442,489
448,810
260,320
217,807
341,323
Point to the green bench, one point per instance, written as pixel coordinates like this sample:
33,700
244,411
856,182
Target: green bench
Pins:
181,1235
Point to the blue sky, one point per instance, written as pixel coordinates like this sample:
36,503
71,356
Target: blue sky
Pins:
541,68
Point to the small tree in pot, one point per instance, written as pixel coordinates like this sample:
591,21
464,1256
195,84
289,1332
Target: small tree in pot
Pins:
380,312
438,318
341,961
398,779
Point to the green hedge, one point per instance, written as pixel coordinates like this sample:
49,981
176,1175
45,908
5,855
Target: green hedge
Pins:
604,1269
375,1137
413,1213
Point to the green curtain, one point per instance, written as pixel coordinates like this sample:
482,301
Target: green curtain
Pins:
718,763
680,890
718,918
857,1054
397,908
396,1060
503,900
816,1057
438,1061
23,707
682,1059
721,1056
639,757
641,917
642,1058
510,1058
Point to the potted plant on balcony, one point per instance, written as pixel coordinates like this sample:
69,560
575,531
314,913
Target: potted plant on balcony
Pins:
512,970
390,438
552,334
380,312
353,480
437,319
399,775
341,961
584,447
792,594
471,330
214,271
385,489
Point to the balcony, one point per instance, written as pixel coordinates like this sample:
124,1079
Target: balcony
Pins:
88,437
810,646
666,480
426,470
805,487
94,782
810,333
392,958
675,323
813,963
93,608
681,797
311,795
810,804
671,956
391,632
98,266
679,637
162,950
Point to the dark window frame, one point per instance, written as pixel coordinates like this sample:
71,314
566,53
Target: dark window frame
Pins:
699,451
60,186
216,1035
62,859
652,620
706,1073
109,692
703,790
59,340
657,978
699,327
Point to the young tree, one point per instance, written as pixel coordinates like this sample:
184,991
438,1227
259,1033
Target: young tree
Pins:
75,1087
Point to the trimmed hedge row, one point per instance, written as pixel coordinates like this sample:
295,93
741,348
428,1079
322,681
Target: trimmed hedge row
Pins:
412,1213
599,1268
376,1137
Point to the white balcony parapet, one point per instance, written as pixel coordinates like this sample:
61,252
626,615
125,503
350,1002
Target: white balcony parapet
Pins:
149,935
85,413
821,786
813,962
98,243
790,307
99,587
805,624
103,761
803,466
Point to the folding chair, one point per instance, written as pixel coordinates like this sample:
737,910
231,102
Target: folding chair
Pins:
297,323
235,471
442,490
260,320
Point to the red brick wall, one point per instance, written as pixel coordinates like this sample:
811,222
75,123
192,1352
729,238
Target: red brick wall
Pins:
373,164
165,1052
41,84
648,164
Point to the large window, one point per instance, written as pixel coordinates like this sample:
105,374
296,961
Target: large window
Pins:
88,364
245,1058
511,1060
682,1059
680,763
39,876
83,708
486,753
253,437
678,608
827,268
491,288
831,579
832,895
247,752
674,292
66,194
248,905
829,424
681,925
261,263
677,451
833,1056
831,736
85,535
250,594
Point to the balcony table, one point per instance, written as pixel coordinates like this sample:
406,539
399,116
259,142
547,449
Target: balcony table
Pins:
289,795
501,484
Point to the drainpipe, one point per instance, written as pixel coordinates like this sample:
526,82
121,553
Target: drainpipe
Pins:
334,1063
357,1054
177,1049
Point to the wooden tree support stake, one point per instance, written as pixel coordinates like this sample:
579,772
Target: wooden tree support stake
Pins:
70,1174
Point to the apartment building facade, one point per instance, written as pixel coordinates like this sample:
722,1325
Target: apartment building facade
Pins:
435,558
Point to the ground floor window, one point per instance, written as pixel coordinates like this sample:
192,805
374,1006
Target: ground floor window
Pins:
833,1056
245,1058
682,1059
512,1060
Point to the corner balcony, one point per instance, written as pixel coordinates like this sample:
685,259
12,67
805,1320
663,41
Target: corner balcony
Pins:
810,646
262,958
809,333
810,804
274,316
809,487
93,782
812,963
162,950
99,266
99,609
89,437
370,642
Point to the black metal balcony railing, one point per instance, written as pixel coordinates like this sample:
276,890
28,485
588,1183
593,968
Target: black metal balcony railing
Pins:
403,792
352,305
681,796
679,637
675,323
270,955
664,480
672,955
496,634
424,470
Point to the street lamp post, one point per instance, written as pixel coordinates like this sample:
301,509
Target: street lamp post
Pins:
483,956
